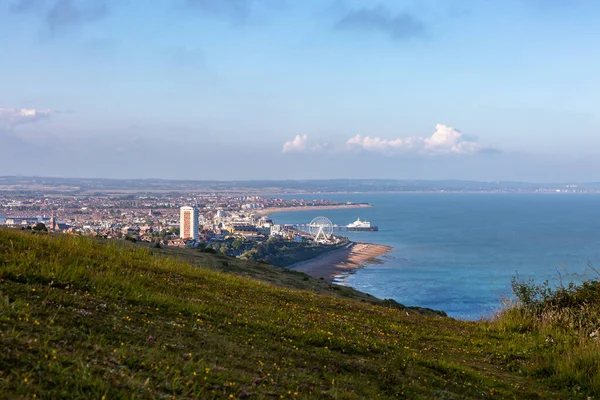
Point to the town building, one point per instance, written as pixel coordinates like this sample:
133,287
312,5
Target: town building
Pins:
188,223
55,226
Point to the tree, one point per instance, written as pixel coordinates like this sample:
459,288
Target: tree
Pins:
271,246
40,227
224,249
237,244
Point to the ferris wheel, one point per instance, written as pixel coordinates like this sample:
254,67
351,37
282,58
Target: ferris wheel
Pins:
321,228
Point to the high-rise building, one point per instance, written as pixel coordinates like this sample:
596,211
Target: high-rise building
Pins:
188,223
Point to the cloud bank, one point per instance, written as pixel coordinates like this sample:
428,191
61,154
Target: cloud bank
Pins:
380,19
11,117
445,140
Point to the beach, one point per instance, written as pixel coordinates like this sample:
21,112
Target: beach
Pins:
340,262
273,210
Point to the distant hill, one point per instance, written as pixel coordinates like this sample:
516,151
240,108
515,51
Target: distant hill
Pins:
26,184
82,318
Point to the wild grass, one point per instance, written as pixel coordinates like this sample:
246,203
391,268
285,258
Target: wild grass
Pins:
86,319
565,322
282,277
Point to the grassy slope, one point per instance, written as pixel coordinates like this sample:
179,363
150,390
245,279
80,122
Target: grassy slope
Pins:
277,276
84,319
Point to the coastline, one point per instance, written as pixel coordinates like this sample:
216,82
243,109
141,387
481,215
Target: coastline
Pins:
348,259
272,210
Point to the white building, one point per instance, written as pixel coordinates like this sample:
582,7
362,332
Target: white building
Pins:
188,223
220,216
277,230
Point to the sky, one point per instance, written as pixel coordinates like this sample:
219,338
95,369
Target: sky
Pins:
287,89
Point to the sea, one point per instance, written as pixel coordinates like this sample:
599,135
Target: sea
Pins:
459,252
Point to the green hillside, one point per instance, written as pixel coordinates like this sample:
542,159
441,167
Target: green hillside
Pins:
86,319
277,276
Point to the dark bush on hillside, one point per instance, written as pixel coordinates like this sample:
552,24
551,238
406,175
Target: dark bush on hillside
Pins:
574,307
543,296
40,227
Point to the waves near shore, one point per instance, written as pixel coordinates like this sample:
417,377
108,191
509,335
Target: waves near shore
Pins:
334,264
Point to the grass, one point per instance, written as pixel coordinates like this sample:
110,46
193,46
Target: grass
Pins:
282,277
86,319
568,319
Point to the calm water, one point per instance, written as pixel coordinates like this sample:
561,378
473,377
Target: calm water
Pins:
458,252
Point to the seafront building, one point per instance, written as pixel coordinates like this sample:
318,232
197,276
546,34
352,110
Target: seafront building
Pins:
188,223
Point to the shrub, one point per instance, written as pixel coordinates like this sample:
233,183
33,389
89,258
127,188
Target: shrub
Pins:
564,323
577,304
40,227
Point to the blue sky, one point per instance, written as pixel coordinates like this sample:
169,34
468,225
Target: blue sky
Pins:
272,89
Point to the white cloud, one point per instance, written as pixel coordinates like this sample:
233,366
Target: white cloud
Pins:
445,140
378,144
296,145
449,140
300,144
11,117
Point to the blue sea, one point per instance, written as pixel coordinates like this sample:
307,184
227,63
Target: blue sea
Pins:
458,252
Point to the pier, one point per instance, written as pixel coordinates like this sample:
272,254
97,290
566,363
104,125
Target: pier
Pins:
337,228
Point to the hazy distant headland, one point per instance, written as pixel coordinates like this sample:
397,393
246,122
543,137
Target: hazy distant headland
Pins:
102,186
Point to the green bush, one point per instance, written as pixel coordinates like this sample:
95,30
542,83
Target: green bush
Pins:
40,227
563,322
541,297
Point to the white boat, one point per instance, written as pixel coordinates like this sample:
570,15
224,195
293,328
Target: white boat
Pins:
359,225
